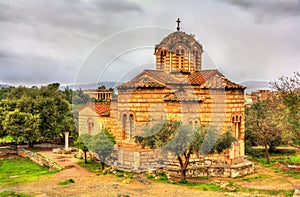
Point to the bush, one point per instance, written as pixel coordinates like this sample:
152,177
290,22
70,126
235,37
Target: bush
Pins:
163,176
66,182
251,151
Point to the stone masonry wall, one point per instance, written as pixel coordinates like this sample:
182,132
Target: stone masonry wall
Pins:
35,157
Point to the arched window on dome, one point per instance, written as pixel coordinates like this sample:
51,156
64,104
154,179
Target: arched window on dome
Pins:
162,57
181,58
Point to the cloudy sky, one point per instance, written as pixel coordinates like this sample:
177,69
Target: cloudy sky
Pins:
81,41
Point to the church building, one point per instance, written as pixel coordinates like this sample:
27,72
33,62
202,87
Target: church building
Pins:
178,89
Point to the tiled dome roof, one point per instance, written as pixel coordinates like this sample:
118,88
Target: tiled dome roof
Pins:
179,37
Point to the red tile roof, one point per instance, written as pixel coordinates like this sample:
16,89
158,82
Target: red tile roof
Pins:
159,79
101,108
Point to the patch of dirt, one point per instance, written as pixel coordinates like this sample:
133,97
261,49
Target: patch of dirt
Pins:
268,179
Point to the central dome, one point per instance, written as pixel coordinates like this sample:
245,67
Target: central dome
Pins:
179,37
179,52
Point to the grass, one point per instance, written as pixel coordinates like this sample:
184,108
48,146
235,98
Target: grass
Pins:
91,166
66,182
6,139
20,170
95,167
13,194
256,178
287,193
209,187
283,160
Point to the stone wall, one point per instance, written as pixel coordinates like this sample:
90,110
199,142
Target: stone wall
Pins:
35,157
212,169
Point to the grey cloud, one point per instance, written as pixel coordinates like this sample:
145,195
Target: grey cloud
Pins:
269,8
118,6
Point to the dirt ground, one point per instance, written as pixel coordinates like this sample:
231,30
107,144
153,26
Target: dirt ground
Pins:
89,184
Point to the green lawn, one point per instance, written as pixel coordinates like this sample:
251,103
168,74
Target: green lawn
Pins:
13,194
20,170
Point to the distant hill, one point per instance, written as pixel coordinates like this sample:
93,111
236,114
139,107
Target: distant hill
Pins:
4,86
107,84
253,86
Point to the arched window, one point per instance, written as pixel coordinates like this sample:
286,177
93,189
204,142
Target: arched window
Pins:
162,56
190,123
196,123
124,125
90,123
236,123
196,60
130,126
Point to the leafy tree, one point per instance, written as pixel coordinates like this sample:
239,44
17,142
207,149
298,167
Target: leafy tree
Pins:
288,104
22,127
183,141
79,144
260,123
47,103
101,143
4,92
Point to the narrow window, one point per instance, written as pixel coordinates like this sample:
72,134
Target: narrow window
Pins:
124,124
90,125
130,126
196,123
191,124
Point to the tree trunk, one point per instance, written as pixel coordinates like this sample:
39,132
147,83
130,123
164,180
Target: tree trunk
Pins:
30,144
85,161
183,174
102,165
182,168
267,153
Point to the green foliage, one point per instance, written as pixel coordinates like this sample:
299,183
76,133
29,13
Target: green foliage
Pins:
183,140
288,104
66,182
22,126
79,144
262,126
224,142
163,176
91,166
18,171
250,150
46,106
13,194
209,187
101,143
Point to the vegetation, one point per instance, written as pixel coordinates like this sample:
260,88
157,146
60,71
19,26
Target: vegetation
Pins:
79,144
101,143
288,104
29,115
20,170
13,194
183,141
91,166
261,126
275,121
66,182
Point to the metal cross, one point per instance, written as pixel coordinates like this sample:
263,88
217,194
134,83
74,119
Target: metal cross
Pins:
178,21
